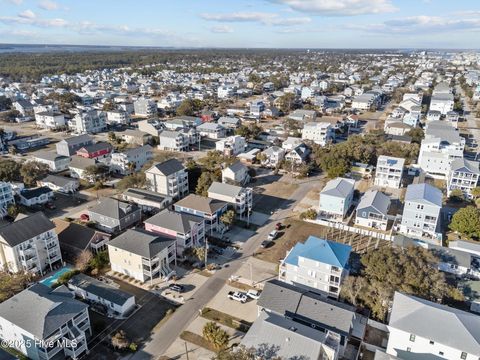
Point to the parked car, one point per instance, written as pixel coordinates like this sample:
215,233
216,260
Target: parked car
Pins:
278,226
176,287
266,244
84,217
253,294
273,234
50,205
238,296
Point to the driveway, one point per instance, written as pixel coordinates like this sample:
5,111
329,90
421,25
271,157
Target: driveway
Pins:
221,302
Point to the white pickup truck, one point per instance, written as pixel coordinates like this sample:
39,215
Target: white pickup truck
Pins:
237,296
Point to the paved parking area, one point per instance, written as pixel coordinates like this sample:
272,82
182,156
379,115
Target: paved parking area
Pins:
258,271
221,302
258,218
191,283
238,235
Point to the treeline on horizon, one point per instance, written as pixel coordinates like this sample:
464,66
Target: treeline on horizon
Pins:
27,67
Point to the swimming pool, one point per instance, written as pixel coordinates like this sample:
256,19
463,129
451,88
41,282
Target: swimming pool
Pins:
52,279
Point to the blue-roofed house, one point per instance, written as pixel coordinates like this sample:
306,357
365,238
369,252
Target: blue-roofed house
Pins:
318,265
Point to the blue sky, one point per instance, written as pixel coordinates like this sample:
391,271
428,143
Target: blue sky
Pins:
244,23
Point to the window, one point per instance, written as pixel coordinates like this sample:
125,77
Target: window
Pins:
409,349
432,342
463,356
440,353
412,337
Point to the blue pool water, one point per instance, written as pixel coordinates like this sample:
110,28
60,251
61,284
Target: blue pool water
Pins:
52,279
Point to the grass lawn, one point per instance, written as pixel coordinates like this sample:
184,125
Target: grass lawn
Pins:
197,340
226,319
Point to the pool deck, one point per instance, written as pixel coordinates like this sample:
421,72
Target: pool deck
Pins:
52,279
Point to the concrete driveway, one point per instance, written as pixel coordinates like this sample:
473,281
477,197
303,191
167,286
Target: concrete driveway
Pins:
238,235
221,302
256,271
191,283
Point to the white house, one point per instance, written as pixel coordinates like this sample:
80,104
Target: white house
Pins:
36,196
423,329
173,141
441,145
61,184
319,132
211,130
29,244
44,323
89,122
118,117
168,178
240,198
145,107
237,173
116,301
232,145
55,162
131,160
318,265
389,171
49,119
6,197
336,199
464,175
421,212
443,103
274,155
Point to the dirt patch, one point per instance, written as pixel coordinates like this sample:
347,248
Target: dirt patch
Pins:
279,189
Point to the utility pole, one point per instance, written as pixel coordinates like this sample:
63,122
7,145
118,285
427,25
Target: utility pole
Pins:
206,252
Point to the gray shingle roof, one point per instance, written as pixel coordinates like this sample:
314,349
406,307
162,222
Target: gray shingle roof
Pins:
79,162
48,155
57,180
440,323
339,187
375,199
168,167
99,288
424,193
74,140
285,299
224,189
26,228
201,203
40,310
179,222
142,243
465,165
113,208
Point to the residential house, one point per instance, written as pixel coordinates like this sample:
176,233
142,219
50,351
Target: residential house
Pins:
303,115
76,238
291,143
112,215
89,122
441,145
212,130
336,199
443,103
55,162
420,328
152,127
464,175
116,301
131,160
237,173
453,118
173,141
320,133
298,155
389,171
168,178
99,150
78,165
290,339
117,117
232,145
209,209
61,184
148,201
318,265
421,212
188,230
273,156
135,137
257,107
69,146
434,115
145,107
372,211
49,120
325,315
29,244
229,122
36,196
142,255
44,323
240,198
365,101
24,107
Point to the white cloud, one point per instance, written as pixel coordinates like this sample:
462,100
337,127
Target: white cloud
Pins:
48,5
221,29
421,24
27,14
16,2
259,17
339,7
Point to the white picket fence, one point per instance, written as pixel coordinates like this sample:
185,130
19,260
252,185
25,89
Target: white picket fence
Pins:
343,227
